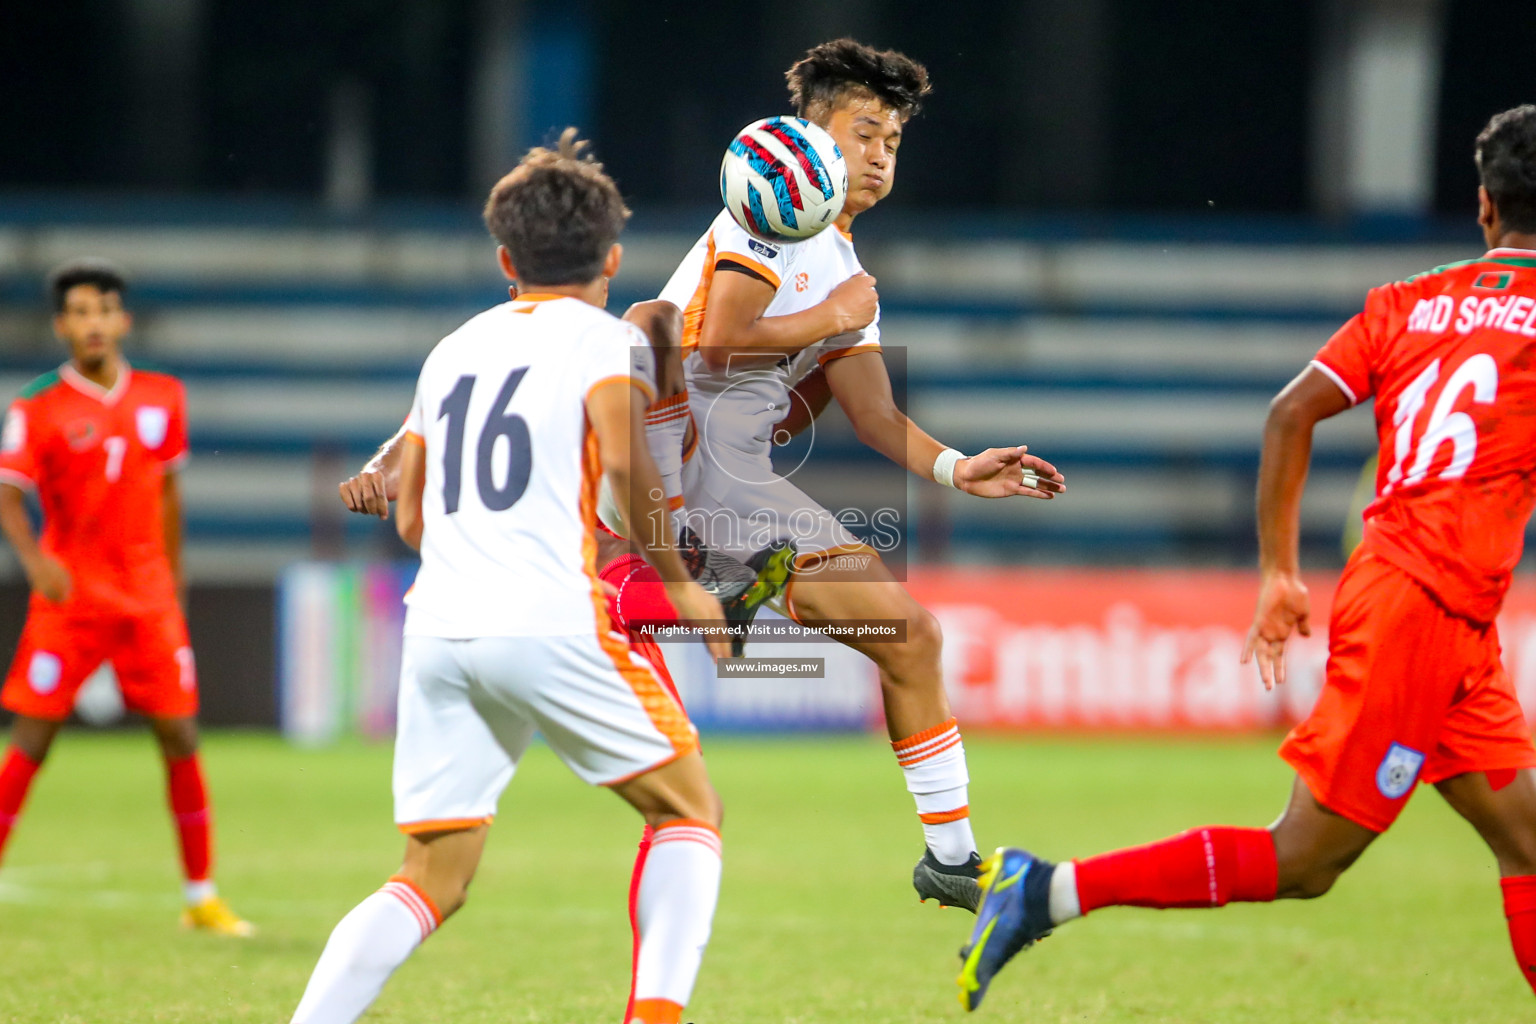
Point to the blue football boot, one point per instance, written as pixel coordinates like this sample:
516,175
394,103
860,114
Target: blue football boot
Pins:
1015,912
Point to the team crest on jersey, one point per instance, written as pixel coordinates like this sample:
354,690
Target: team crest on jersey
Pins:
80,435
152,422
14,437
1398,771
762,248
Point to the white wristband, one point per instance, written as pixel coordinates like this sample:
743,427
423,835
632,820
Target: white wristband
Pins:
944,466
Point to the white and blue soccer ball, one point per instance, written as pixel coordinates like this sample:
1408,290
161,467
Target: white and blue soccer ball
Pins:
783,179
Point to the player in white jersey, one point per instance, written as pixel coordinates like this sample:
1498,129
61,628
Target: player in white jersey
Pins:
759,318
517,415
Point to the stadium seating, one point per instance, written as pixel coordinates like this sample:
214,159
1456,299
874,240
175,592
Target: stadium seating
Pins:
1141,366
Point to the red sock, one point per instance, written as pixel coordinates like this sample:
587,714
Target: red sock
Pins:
642,596
189,808
634,916
1520,909
15,779
1206,867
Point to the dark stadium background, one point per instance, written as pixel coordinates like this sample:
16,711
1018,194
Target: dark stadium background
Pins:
1121,153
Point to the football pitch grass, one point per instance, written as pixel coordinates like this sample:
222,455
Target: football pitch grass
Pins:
817,921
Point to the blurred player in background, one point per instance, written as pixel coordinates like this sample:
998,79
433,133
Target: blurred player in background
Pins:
517,415
760,318
1414,690
100,444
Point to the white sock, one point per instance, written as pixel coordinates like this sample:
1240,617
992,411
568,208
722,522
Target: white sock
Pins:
199,892
666,424
678,889
363,951
933,762
1064,903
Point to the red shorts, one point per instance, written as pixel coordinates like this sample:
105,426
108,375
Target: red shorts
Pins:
150,653
1413,694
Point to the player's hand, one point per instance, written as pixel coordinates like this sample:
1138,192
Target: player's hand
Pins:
1284,607
367,493
855,302
1006,472
694,604
50,579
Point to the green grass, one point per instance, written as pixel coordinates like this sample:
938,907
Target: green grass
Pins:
817,921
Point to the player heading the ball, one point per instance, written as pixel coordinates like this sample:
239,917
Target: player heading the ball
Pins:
765,321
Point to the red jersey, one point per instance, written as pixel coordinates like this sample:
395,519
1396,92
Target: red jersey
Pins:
1450,357
97,459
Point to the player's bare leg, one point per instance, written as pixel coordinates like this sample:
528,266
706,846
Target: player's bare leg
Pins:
1313,846
187,793
1501,805
30,740
924,736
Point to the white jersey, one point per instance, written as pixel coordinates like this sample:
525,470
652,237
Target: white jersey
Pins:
736,408
512,470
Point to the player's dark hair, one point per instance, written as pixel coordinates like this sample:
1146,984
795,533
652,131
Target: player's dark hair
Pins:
101,274
827,73
1506,160
557,213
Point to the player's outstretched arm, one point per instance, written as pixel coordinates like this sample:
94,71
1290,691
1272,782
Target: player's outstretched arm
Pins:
378,482
734,324
616,412
862,387
45,574
1283,606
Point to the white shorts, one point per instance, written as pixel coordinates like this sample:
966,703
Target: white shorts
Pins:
468,709
738,506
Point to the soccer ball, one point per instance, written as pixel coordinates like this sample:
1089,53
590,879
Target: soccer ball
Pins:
783,179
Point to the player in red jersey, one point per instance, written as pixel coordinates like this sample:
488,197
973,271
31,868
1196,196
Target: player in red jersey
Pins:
1414,690
99,443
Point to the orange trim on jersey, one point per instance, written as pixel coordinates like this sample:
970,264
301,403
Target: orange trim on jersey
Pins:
412,828
919,738
693,313
533,297
809,558
415,438
945,817
660,706
622,378
675,502
750,264
844,232
437,915
823,360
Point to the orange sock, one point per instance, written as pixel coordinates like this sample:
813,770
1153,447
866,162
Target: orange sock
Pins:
655,1011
